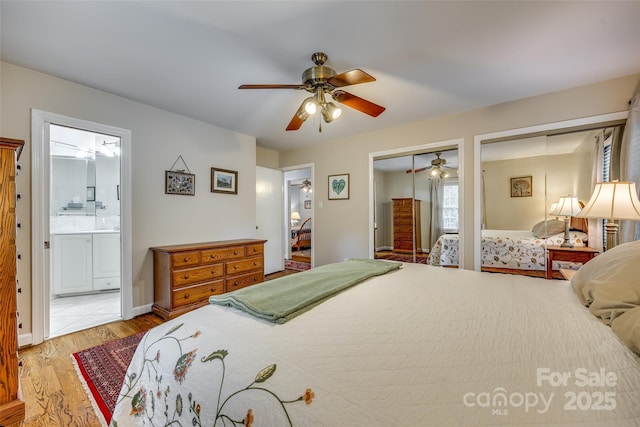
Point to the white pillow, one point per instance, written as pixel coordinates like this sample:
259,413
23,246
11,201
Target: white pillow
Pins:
609,284
545,229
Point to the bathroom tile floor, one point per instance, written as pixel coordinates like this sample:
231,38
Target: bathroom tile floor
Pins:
74,313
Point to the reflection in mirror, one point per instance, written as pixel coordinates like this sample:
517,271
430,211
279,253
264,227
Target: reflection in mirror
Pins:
85,181
521,179
416,202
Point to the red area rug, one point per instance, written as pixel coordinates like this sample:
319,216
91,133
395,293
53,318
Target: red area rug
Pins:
296,265
102,369
394,256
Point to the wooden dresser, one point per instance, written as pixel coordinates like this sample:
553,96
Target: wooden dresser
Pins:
406,221
184,276
11,407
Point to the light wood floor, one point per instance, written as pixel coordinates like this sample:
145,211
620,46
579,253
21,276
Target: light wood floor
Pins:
51,389
53,394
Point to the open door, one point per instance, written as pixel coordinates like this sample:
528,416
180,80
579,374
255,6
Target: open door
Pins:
269,217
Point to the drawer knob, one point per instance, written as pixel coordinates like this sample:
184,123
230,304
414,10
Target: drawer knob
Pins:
186,259
185,277
255,264
255,279
235,267
186,296
213,289
235,252
235,283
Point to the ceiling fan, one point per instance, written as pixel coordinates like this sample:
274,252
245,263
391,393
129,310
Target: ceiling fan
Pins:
437,169
305,185
321,81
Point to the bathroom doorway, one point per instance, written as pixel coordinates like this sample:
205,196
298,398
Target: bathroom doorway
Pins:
84,229
81,244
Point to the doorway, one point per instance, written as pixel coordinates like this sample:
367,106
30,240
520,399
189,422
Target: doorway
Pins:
81,244
84,229
298,209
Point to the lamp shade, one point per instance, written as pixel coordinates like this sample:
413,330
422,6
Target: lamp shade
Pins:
295,215
566,206
613,200
553,208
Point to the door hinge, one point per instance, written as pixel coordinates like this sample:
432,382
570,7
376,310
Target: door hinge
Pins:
47,245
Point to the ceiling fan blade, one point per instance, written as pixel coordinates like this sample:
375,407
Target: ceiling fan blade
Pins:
295,123
417,170
271,87
355,102
351,77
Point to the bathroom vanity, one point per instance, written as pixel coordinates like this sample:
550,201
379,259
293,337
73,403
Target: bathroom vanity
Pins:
85,261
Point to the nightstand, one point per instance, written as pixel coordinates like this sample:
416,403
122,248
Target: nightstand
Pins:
575,254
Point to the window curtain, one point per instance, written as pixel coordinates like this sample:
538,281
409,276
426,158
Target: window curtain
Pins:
595,225
630,163
435,193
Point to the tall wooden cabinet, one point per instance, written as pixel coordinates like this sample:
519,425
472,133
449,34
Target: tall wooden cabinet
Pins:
11,407
185,276
406,222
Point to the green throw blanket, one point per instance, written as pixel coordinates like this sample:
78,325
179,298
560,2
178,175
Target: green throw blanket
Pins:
282,299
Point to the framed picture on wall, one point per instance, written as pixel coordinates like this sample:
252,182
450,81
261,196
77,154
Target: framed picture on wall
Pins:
307,204
522,186
179,183
339,187
224,181
91,194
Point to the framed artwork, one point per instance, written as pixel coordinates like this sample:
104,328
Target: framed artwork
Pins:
339,187
307,204
179,183
522,186
224,181
91,194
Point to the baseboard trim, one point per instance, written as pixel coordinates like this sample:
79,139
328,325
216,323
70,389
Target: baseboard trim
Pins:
25,340
142,309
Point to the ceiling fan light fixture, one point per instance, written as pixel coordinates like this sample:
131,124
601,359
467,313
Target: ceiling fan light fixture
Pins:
330,112
435,171
310,105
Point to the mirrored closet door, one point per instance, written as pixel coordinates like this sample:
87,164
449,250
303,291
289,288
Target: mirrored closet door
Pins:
531,189
416,203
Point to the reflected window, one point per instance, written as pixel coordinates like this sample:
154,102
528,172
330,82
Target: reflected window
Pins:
450,206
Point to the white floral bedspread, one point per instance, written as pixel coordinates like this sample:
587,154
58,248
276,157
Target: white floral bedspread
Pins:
506,249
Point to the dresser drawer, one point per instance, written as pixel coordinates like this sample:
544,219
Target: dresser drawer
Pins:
239,282
197,293
185,259
248,264
403,231
197,274
255,249
212,255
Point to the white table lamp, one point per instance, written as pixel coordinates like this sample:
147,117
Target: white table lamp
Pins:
567,206
613,200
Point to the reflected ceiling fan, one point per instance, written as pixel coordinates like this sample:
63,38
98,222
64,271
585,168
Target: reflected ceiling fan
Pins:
437,168
322,81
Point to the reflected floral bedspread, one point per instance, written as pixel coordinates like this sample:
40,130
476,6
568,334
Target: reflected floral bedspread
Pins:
514,249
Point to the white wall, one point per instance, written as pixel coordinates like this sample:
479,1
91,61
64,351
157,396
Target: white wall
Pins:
344,224
158,138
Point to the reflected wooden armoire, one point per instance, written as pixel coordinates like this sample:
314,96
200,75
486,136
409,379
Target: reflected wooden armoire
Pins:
11,407
406,222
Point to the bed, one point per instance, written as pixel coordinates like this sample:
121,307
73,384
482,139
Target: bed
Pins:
417,346
301,238
513,251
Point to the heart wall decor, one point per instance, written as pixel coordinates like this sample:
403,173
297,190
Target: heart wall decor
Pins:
339,187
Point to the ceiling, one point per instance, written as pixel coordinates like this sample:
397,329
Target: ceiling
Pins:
430,58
